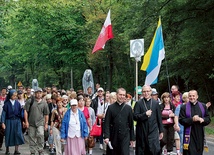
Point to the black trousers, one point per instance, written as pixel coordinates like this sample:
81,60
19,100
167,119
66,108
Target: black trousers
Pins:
168,137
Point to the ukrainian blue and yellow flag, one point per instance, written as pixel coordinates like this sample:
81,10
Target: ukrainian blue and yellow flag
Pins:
154,56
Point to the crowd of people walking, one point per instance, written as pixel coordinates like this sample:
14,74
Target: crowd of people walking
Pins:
63,120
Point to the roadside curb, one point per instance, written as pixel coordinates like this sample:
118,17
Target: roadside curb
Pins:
210,141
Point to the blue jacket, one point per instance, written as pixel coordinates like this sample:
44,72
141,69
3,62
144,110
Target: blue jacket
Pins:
65,125
9,113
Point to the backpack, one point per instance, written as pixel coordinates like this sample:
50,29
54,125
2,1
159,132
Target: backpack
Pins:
31,103
23,110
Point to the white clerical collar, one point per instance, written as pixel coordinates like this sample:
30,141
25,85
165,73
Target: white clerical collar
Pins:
119,103
194,103
147,99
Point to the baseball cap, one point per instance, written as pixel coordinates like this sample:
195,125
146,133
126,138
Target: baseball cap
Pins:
73,102
100,89
38,90
48,96
9,87
139,90
64,96
154,91
19,92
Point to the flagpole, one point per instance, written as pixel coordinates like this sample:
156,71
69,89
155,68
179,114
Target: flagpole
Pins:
167,74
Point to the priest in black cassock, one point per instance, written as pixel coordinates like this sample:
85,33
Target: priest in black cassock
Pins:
194,117
149,128
118,127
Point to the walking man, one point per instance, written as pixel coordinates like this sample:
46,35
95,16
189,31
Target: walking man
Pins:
36,117
119,128
149,128
194,117
99,106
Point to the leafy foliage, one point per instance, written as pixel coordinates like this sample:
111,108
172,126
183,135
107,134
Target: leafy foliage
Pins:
46,39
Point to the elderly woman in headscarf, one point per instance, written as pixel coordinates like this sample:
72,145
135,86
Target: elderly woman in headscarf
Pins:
11,122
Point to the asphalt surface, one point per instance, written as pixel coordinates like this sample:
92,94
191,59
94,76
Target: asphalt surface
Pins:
24,149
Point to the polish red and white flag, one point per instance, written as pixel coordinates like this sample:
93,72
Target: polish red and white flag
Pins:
105,34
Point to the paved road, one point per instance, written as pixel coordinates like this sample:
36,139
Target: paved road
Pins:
24,149
210,141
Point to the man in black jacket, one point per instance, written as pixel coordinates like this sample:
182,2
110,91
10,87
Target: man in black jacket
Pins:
149,128
119,126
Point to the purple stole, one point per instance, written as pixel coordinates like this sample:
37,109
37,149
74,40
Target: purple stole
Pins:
188,129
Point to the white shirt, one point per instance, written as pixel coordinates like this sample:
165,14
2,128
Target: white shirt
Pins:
74,125
106,106
1,107
100,107
22,102
129,103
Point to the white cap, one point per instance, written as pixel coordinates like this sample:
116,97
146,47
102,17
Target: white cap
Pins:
9,87
154,91
100,89
64,96
38,90
48,96
73,102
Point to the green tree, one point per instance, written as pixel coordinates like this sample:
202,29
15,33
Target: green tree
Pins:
47,37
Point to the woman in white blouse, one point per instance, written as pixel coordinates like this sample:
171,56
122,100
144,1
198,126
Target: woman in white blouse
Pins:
74,130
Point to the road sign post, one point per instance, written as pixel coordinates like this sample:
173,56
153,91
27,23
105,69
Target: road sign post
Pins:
136,51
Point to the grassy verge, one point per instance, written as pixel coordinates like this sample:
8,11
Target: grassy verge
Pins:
209,130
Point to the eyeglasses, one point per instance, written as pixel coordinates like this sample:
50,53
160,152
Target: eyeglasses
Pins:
147,91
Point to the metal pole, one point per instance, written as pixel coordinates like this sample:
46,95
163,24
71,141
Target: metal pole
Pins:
136,88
